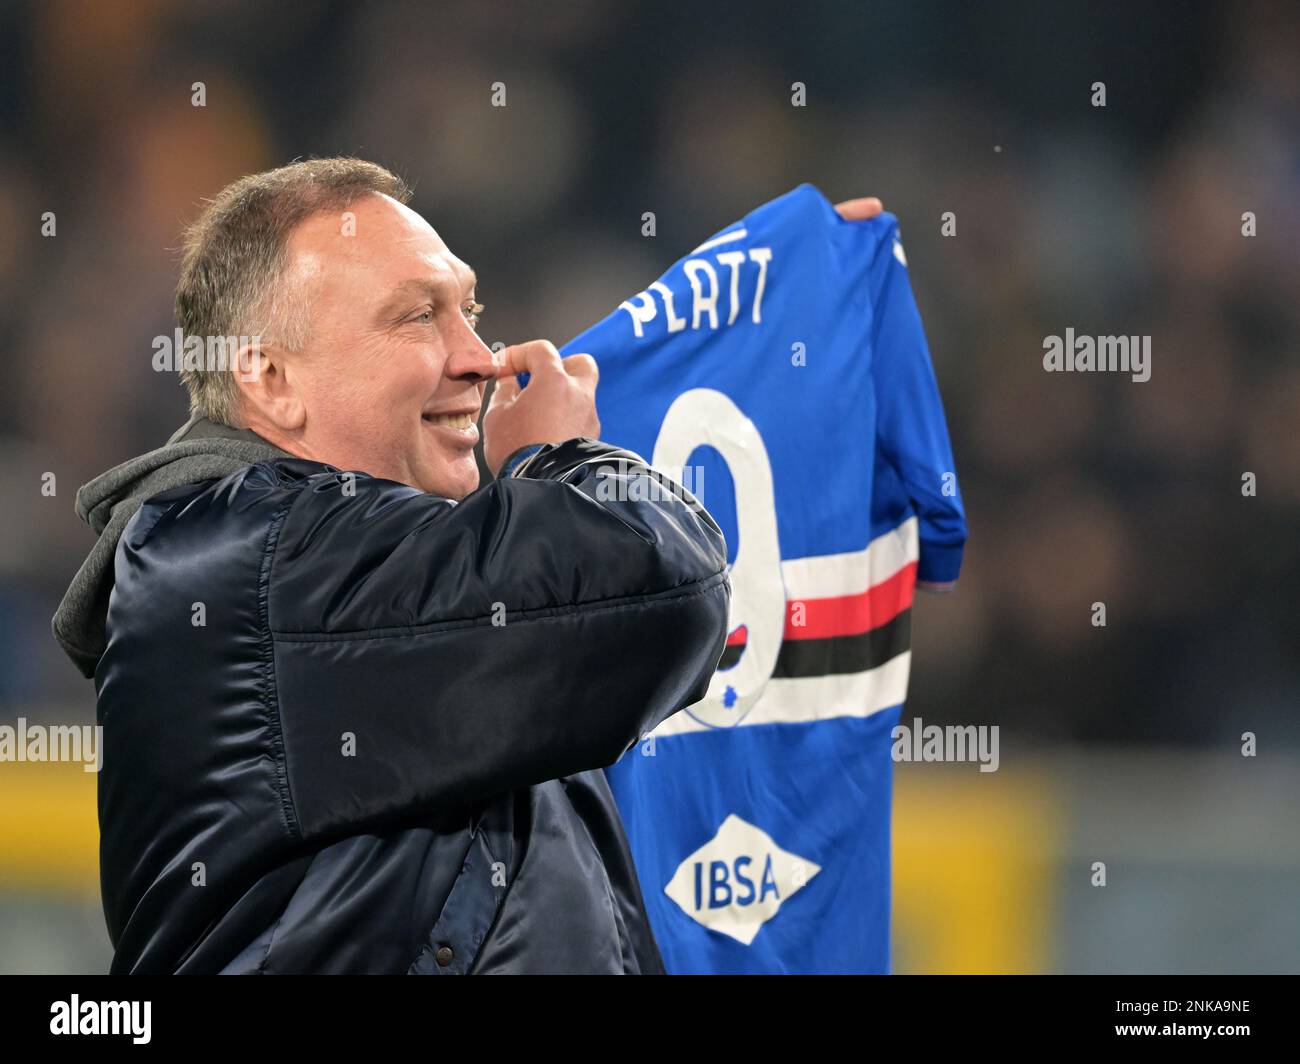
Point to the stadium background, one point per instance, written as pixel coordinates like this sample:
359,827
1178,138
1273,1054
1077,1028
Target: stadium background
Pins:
1120,744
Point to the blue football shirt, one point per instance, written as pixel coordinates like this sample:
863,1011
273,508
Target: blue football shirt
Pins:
781,373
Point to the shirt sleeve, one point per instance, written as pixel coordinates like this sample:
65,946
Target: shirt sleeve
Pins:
912,433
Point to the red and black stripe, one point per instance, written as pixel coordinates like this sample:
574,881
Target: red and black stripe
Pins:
851,633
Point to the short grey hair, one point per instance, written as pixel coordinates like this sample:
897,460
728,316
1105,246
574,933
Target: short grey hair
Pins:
233,262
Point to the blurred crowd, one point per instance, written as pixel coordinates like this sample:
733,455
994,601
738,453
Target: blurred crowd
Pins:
1123,219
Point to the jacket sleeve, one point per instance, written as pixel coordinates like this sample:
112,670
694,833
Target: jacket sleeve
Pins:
429,652
912,432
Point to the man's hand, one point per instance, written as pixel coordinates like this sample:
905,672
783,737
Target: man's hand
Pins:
859,210
558,404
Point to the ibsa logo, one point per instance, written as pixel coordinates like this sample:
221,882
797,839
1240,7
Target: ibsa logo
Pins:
738,880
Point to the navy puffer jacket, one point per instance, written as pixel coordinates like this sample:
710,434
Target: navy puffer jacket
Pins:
353,727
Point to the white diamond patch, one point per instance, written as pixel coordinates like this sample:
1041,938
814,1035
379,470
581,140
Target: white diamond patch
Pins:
738,880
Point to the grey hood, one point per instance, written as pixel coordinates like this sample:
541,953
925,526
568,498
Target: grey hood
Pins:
199,450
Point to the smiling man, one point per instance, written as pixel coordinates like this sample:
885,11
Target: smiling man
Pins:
355,711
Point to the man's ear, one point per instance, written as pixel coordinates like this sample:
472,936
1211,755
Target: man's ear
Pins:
268,387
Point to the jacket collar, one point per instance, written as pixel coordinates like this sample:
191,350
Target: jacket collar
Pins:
201,428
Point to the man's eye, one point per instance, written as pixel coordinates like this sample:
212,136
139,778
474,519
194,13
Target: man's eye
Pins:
472,311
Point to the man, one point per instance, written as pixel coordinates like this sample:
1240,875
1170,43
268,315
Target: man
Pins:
355,711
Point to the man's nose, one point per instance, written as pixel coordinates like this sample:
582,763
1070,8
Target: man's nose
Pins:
470,360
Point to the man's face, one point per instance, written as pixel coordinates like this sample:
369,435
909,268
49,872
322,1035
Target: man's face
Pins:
393,373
